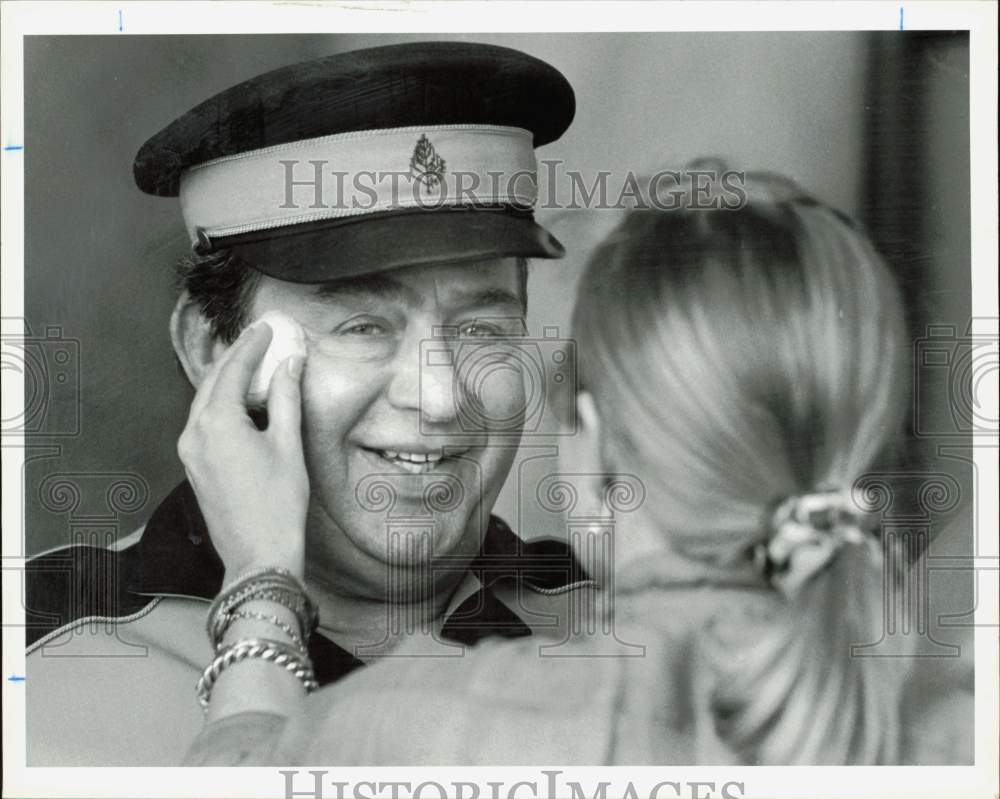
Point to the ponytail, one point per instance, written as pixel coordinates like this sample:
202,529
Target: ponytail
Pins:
803,695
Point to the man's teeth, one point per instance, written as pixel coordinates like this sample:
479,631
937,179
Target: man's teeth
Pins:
412,457
420,461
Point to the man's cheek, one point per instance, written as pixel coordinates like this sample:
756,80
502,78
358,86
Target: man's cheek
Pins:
334,396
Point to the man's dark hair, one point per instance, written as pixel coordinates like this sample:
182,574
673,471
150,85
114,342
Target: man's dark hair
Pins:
223,286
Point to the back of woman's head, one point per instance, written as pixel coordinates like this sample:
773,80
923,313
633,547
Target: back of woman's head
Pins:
739,358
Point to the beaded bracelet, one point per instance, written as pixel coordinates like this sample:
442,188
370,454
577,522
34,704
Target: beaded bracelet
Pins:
271,584
277,652
270,619
265,574
219,618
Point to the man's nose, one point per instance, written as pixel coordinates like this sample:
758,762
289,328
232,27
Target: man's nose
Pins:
425,381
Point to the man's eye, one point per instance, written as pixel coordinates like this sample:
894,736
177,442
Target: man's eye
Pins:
481,330
364,327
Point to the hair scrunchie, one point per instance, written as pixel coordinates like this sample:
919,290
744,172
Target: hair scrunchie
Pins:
806,533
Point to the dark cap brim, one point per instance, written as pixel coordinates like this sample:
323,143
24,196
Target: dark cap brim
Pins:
350,247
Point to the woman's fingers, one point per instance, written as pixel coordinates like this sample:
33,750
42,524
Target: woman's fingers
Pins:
205,390
284,402
227,459
239,363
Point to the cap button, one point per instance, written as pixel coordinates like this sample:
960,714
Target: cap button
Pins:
204,244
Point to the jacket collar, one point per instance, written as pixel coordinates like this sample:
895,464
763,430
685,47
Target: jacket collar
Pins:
175,556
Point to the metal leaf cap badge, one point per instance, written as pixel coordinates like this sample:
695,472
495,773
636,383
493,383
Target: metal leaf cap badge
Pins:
425,164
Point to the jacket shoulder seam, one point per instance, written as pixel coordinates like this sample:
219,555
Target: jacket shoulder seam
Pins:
143,611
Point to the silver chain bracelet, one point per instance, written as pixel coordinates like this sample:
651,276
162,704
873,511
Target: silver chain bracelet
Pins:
277,652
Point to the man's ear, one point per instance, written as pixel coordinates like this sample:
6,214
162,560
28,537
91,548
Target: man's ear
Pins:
191,334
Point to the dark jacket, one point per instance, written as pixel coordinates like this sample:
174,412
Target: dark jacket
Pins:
116,637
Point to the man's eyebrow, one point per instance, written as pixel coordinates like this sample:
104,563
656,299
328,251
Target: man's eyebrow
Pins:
372,286
385,287
488,297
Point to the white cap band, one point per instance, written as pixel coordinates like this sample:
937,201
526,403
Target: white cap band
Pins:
354,174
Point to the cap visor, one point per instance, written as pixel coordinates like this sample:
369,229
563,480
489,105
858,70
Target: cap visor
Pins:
344,248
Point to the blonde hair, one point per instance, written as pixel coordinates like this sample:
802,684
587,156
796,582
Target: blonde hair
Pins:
738,358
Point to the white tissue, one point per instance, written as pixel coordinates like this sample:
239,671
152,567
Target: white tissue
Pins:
287,339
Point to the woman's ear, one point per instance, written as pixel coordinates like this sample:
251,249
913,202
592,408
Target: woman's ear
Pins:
586,412
581,453
191,334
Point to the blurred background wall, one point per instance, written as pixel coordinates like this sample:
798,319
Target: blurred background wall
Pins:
876,124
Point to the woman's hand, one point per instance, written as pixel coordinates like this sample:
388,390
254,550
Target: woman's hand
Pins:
251,484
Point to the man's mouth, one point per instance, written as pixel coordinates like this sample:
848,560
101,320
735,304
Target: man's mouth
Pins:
422,462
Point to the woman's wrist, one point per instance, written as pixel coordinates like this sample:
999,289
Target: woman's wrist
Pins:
290,563
260,621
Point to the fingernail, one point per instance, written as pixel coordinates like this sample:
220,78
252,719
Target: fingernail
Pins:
294,364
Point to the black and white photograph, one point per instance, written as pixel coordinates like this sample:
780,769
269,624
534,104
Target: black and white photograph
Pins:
492,400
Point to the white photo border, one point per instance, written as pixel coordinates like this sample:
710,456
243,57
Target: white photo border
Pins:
20,19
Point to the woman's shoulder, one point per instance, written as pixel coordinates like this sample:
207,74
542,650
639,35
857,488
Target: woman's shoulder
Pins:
517,700
492,704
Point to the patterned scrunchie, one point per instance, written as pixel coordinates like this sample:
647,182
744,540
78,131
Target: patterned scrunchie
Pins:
807,532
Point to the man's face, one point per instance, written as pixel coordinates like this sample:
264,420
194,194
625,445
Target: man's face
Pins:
387,450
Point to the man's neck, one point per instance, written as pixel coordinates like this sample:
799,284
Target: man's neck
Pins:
368,627
369,607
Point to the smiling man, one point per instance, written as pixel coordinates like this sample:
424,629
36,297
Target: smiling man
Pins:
381,200
372,407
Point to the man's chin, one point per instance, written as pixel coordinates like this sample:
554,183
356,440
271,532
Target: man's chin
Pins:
415,542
